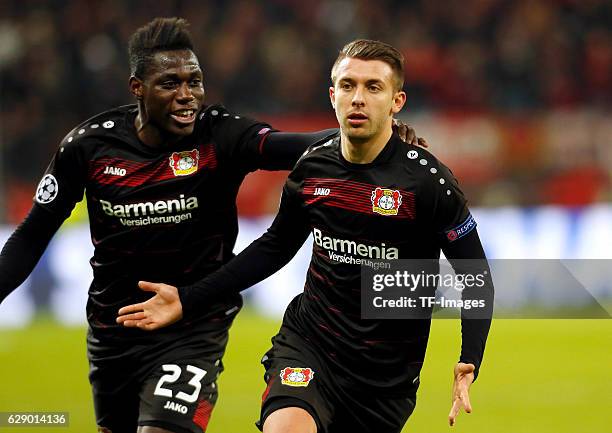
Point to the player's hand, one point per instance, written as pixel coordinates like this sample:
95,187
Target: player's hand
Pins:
464,376
161,310
408,134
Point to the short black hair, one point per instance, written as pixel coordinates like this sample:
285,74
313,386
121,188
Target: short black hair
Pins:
161,34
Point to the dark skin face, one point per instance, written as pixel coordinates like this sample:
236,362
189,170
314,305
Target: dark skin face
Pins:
170,95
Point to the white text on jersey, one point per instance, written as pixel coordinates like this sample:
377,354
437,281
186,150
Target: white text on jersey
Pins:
150,208
354,248
115,171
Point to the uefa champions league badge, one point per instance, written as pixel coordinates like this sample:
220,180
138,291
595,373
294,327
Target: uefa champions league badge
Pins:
184,163
291,376
47,189
386,201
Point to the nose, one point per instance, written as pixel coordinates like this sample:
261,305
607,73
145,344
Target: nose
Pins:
358,97
184,93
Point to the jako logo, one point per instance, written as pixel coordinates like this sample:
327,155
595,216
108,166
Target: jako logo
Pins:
322,191
177,407
354,248
149,208
115,171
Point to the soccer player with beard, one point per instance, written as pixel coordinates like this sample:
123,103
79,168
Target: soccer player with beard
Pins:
160,178
328,369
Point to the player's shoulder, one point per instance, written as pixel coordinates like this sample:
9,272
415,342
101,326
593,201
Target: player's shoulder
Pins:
213,115
226,126
326,148
218,112
424,166
103,126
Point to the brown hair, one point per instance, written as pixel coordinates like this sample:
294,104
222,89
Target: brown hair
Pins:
366,49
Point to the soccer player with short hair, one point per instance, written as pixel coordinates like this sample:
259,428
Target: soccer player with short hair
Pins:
363,197
160,178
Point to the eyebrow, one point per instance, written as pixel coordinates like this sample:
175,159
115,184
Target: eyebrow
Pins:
368,82
375,81
175,76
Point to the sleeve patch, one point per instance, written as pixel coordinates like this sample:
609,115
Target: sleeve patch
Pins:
462,229
47,189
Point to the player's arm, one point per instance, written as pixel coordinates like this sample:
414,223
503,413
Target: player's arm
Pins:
258,261
256,145
59,190
467,257
283,149
250,145
459,240
458,237
25,247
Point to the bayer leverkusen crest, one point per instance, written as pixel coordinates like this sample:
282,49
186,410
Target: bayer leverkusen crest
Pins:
386,201
185,163
296,376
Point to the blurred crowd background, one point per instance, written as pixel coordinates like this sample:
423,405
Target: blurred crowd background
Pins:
515,96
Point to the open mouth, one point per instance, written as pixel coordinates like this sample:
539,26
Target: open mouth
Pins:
357,119
186,116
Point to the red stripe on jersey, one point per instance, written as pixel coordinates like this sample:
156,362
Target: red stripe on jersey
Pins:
267,390
328,329
311,271
202,414
352,196
141,173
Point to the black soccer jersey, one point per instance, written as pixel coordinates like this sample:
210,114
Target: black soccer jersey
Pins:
403,205
157,214
154,215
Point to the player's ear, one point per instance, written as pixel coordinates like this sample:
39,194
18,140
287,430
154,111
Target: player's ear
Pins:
136,87
332,97
399,99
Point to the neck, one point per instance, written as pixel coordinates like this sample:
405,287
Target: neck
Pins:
150,134
360,151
